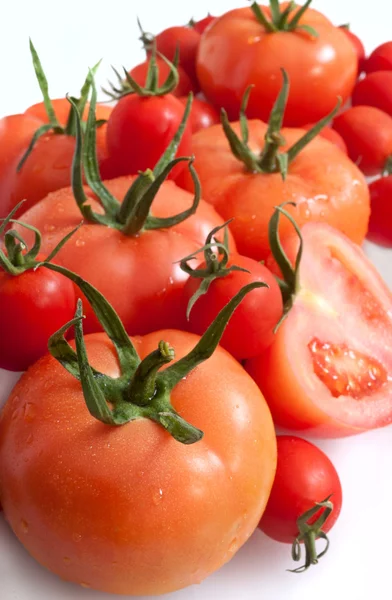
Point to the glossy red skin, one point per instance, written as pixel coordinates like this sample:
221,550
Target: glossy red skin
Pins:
140,129
131,509
330,134
250,330
380,59
33,305
341,300
375,90
304,476
380,223
236,52
201,26
185,85
358,46
367,132
203,114
139,275
187,40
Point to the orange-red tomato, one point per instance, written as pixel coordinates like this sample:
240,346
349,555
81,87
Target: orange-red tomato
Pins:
325,185
128,509
237,51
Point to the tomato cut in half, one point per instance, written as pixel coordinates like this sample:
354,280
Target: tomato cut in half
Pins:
330,367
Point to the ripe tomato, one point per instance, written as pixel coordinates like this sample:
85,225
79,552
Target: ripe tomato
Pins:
304,477
323,182
367,132
238,50
375,90
201,26
338,381
380,223
33,305
62,109
250,330
185,84
330,134
358,46
202,115
186,40
380,59
128,509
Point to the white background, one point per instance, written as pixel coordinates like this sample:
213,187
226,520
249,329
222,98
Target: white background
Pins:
70,37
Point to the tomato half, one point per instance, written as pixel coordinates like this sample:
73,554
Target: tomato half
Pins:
329,368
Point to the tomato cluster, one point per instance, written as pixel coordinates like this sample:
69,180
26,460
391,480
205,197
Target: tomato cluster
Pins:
138,453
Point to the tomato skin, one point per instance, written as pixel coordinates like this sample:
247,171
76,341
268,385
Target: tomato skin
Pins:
330,134
185,85
236,52
138,275
203,114
102,504
380,59
374,90
140,129
324,184
250,330
187,40
348,305
201,26
33,305
304,476
367,132
380,229
358,46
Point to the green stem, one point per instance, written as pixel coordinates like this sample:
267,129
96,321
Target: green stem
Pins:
143,386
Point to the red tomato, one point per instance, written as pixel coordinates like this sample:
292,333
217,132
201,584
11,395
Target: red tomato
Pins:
380,223
250,330
329,368
375,90
358,46
304,476
203,114
140,129
62,109
186,39
117,264
128,509
237,51
33,306
330,134
201,26
380,59
185,85
367,132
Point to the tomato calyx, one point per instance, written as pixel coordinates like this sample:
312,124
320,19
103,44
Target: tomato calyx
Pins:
141,390
309,533
132,215
215,264
283,20
270,160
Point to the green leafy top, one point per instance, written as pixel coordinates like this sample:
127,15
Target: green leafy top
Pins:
283,20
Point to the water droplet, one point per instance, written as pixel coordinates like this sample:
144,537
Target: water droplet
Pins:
30,439
76,537
67,560
60,207
29,412
237,405
15,414
233,546
157,497
79,243
49,227
24,526
85,585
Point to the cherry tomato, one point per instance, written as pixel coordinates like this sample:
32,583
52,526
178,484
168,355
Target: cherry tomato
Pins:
358,46
186,39
185,85
33,306
140,129
330,134
304,476
329,368
202,115
201,26
367,132
238,51
128,509
375,90
380,223
380,59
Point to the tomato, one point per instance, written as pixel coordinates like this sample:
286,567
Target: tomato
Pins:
367,132
330,134
202,115
380,59
380,223
128,509
329,367
323,182
250,330
186,39
33,305
185,85
137,274
374,90
238,50
201,26
358,46
304,476
62,109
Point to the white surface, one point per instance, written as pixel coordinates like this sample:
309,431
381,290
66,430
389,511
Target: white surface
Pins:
69,37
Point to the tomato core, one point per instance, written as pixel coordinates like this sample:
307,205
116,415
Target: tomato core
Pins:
346,372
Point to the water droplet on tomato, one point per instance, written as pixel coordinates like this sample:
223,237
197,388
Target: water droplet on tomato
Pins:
30,439
157,497
24,526
49,227
15,414
85,585
76,537
60,207
29,412
233,546
79,243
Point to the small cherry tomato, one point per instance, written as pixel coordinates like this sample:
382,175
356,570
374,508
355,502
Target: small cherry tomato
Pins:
367,132
203,114
185,85
375,90
380,224
186,39
201,26
358,46
380,59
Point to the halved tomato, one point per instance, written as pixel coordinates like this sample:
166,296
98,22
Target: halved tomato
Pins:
330,367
